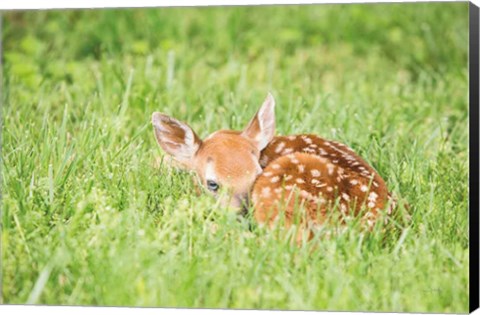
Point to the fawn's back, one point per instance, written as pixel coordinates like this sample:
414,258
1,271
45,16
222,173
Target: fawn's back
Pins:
321,177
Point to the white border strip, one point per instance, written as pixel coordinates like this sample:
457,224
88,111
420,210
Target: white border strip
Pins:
71,4
76,310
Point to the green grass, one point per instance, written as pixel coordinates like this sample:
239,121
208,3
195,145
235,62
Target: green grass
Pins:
87,219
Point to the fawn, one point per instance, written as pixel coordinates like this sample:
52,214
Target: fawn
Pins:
255,166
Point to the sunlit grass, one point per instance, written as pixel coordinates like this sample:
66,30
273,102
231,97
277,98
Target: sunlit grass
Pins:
90,217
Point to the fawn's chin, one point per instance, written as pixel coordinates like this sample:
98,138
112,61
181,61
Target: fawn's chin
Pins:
240,210
234,203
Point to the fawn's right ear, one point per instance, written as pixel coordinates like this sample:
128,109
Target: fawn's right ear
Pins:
261,129
176,138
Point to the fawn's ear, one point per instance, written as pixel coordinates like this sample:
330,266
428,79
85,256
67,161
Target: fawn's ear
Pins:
176,138
261,128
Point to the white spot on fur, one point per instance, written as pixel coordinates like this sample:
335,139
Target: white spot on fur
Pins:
293,159
307,140
375,184
309,150
345,196
288,177
371,204
364,188
291,138
315,172
372,196
280,147
300,181
275,166
275,179
315,181
305,194
301,168
267,174
330,168
266,192
330,189
287,151
354,182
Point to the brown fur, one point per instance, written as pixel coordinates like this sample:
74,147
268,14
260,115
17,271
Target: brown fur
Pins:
233,156
344,179
307,180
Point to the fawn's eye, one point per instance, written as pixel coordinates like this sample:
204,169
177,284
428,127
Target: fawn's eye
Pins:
212,185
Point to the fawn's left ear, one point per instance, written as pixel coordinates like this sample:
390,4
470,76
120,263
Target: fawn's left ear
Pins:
176,138
261,128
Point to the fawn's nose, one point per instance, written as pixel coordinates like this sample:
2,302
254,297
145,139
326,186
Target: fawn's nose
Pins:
238,203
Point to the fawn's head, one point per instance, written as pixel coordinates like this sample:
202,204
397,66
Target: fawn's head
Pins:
224,161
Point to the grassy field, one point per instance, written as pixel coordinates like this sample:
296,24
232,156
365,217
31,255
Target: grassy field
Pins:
88,218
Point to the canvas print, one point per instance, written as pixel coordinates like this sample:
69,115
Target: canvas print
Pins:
300,157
